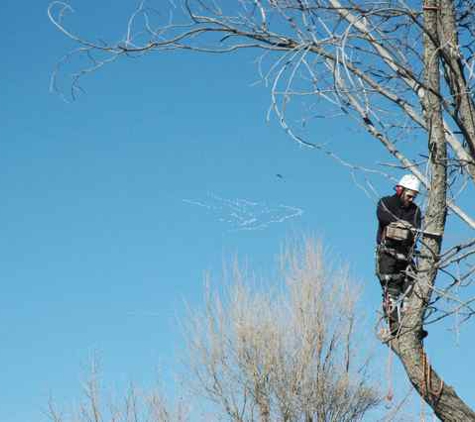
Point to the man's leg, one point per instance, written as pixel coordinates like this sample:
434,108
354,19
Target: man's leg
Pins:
409,281
392,281
394,291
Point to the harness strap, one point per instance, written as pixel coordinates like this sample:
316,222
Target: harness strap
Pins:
392,252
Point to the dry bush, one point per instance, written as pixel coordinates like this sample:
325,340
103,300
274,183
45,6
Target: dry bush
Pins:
134,406
286,356
288,353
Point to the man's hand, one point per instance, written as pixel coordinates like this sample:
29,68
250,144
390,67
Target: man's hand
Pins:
406,225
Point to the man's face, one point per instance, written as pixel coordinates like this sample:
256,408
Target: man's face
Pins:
407,197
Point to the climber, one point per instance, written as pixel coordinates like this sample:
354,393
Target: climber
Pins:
398,218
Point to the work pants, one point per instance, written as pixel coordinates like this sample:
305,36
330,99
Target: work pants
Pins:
391,271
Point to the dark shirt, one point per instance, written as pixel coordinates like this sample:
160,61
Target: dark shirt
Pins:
390,209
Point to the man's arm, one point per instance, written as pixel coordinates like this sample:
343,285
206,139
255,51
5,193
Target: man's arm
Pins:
384,214
418,218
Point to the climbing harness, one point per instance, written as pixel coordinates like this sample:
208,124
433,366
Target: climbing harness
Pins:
396,287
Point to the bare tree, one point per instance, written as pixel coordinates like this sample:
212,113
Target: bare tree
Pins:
292,355
134,406
288,355
401,69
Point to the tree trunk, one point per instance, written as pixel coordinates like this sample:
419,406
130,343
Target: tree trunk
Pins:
464,106
408,346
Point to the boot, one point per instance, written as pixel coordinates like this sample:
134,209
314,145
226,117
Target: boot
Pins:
423,334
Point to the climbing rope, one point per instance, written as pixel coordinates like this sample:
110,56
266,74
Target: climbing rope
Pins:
426,385
389,376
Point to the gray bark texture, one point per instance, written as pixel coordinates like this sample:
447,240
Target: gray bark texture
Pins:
464,110
444,401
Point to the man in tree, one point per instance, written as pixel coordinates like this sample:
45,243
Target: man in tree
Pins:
398,216
404,70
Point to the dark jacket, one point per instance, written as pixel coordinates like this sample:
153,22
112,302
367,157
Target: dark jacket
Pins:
390,209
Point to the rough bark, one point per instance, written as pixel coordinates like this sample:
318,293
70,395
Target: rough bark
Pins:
441,397
446,404
450,47
463,105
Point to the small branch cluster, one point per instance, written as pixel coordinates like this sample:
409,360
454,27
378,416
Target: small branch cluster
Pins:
287,356
135,405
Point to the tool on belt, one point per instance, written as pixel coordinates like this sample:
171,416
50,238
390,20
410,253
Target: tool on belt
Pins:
400,231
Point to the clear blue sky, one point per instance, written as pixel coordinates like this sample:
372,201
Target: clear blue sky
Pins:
99,248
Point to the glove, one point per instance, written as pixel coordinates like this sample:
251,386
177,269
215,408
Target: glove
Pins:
405,224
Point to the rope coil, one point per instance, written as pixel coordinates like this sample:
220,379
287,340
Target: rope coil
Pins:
426,386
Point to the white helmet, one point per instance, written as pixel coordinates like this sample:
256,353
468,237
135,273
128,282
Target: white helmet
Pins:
409,181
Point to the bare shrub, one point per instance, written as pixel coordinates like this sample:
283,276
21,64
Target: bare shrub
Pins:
133,406
286,356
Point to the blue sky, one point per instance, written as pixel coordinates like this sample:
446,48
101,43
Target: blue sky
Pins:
100,248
